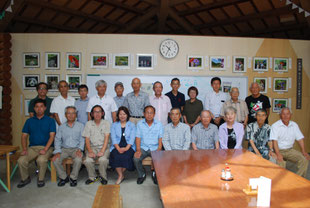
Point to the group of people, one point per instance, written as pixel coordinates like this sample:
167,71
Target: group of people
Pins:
123,130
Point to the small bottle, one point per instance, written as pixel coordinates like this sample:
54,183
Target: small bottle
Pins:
223,174
228,173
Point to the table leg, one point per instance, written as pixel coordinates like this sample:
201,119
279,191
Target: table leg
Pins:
8,170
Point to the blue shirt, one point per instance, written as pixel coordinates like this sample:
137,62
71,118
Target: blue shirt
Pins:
81,106
119,101
39,130
149,135
116,134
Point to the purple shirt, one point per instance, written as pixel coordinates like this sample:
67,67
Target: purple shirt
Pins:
223,134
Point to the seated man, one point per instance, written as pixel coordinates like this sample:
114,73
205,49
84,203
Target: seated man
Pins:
41,130
258,133
69,143
284,132
177,135
205,134
149,135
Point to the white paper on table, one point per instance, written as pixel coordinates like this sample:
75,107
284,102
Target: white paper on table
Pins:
254,182
264,192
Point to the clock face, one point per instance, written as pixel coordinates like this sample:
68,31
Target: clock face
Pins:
169,48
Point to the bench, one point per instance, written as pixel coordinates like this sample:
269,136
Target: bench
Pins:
108,196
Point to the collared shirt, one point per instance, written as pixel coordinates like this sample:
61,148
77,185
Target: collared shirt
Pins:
260,137
81,106
116,134
48,105
69,137
177,137
59,105
149,135
177,101
240,106
285,135
106,102
96,134
119,101
214,102
205,138
223,135
136,104
39,130
162,105
192,110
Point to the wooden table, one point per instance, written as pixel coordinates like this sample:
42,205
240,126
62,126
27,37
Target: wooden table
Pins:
192,179
5,150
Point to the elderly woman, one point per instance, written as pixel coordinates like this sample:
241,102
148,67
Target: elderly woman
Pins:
123,137
231,132
192,108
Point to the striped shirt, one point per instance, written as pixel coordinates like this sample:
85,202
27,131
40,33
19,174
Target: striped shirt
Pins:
205,138
177,137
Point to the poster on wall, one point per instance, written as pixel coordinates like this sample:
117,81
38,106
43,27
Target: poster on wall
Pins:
240,65
260,64
74,81
280,64
121,61
52,82
217,63
278,104
299,84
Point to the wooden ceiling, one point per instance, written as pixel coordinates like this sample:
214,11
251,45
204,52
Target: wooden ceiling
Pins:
243,18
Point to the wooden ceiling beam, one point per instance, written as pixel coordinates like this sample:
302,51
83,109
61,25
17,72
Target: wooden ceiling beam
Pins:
17,6
162,15
182,22
305,4
122,6
177,2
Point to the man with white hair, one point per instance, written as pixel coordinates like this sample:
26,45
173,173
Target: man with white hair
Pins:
257,101
284,132
105,101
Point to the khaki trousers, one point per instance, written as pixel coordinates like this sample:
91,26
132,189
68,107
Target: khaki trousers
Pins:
33,153
103,163
295,157
135,120
77,162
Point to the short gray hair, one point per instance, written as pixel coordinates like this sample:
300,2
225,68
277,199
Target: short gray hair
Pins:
118,84
253,83
70,107
285,108
234,88
230,109
100,82
207,111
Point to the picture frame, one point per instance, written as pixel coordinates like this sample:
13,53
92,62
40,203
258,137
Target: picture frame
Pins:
217,63
52,82
30,81
278,104
73,61
74,81
121,61
240,64
195,62
280,84
31,60
280,64
52,60
262,82
260,64
26,106
99,61
145,61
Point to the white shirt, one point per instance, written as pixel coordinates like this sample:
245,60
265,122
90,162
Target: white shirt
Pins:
214,101
106,102
285,135
162,106
59,105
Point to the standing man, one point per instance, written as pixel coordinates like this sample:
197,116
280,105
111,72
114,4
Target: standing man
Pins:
81,104
215,100
177,135
149,135
161,103
119,98
177,98
42,89
284,132
41,130
257,101
136,101
69,143
104,100
61,102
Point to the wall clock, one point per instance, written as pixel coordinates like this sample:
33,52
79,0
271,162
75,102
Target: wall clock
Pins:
169,48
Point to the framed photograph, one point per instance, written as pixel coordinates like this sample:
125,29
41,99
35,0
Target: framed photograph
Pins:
280,64
262,82
195,62
145,61
52,60
226,87
30,81
74,81
278,104
52,81
74,61
31,60
260,64
27,102
240,65
217,63
99,61
280,84
121,61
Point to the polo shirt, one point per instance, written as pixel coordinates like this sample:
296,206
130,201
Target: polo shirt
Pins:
81,106
48,105
177,101
39,130
214,102
162,107
59,105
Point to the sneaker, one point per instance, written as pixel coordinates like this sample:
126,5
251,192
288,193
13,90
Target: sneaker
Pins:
40,184
63,182
103,180
89,181
73,183
24,183
154,177
141,180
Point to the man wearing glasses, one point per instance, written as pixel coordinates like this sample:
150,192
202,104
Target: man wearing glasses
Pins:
42,89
